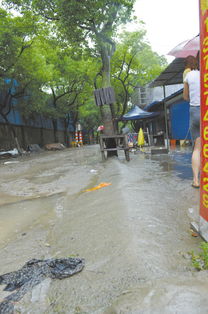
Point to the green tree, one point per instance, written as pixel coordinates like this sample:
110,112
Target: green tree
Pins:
16,37
92,24
133,64
41,72
56,58
96,22
70,85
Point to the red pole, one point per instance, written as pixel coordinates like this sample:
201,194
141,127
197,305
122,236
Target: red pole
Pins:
76,137
203,11
80,138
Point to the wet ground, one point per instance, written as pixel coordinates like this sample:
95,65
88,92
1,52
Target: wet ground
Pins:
134,234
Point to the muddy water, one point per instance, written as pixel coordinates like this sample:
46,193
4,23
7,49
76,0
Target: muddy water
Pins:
134,234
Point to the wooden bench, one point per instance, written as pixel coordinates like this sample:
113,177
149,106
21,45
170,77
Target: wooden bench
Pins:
121,141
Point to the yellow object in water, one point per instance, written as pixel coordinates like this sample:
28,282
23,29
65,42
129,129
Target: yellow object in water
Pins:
99,186
140,139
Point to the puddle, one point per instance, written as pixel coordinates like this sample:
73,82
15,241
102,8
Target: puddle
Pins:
177,161
17,218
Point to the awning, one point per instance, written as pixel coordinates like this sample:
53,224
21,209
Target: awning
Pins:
159,105
173,74
154,106
137,113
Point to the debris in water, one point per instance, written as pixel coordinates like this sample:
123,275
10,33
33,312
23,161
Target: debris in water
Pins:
194,234
9,153
55,146
32,273
11,162
34,148
93,171
99,186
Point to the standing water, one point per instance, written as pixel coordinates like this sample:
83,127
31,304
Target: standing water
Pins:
134,233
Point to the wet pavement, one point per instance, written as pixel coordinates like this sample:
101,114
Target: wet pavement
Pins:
133,234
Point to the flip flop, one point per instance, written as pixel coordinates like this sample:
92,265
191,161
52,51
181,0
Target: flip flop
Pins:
195,186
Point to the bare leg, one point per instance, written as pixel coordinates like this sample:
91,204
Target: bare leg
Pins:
196,161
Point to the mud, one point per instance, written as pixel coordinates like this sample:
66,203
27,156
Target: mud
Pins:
134,234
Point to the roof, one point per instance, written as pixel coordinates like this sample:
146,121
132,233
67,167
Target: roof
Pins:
137,113
158,105
153,105
175,96
173,74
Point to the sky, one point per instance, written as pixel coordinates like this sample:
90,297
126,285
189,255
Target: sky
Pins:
168,22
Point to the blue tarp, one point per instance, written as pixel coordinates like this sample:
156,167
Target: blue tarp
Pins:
179,117
137,113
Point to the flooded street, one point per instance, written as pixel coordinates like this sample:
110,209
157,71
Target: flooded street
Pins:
133,234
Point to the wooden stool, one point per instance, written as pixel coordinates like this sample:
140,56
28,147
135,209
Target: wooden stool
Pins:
121,141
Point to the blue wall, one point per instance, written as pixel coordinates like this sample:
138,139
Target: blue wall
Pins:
179,119
38,121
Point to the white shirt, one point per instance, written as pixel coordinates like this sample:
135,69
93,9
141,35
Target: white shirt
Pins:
193,80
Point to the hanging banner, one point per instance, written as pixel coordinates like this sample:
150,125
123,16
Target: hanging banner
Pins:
203,224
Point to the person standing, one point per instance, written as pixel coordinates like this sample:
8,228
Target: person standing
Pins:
191,93
190,64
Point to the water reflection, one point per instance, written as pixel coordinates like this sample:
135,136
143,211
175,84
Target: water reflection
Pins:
182,163
178,161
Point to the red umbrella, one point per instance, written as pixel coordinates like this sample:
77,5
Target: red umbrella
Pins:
186,48
100,128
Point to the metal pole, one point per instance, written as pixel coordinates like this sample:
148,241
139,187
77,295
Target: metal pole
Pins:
166,118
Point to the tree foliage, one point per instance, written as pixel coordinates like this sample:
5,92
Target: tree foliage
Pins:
92,23
16,37
134,65
57,61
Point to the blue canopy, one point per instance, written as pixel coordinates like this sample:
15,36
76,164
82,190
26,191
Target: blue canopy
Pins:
137,113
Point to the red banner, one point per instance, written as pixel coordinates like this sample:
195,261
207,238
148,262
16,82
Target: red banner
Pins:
203,8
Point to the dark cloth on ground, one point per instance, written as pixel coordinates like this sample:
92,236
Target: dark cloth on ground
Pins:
32,273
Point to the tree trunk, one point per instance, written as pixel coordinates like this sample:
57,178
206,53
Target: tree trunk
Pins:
13,133
23,137
66,136
106,110
54,121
